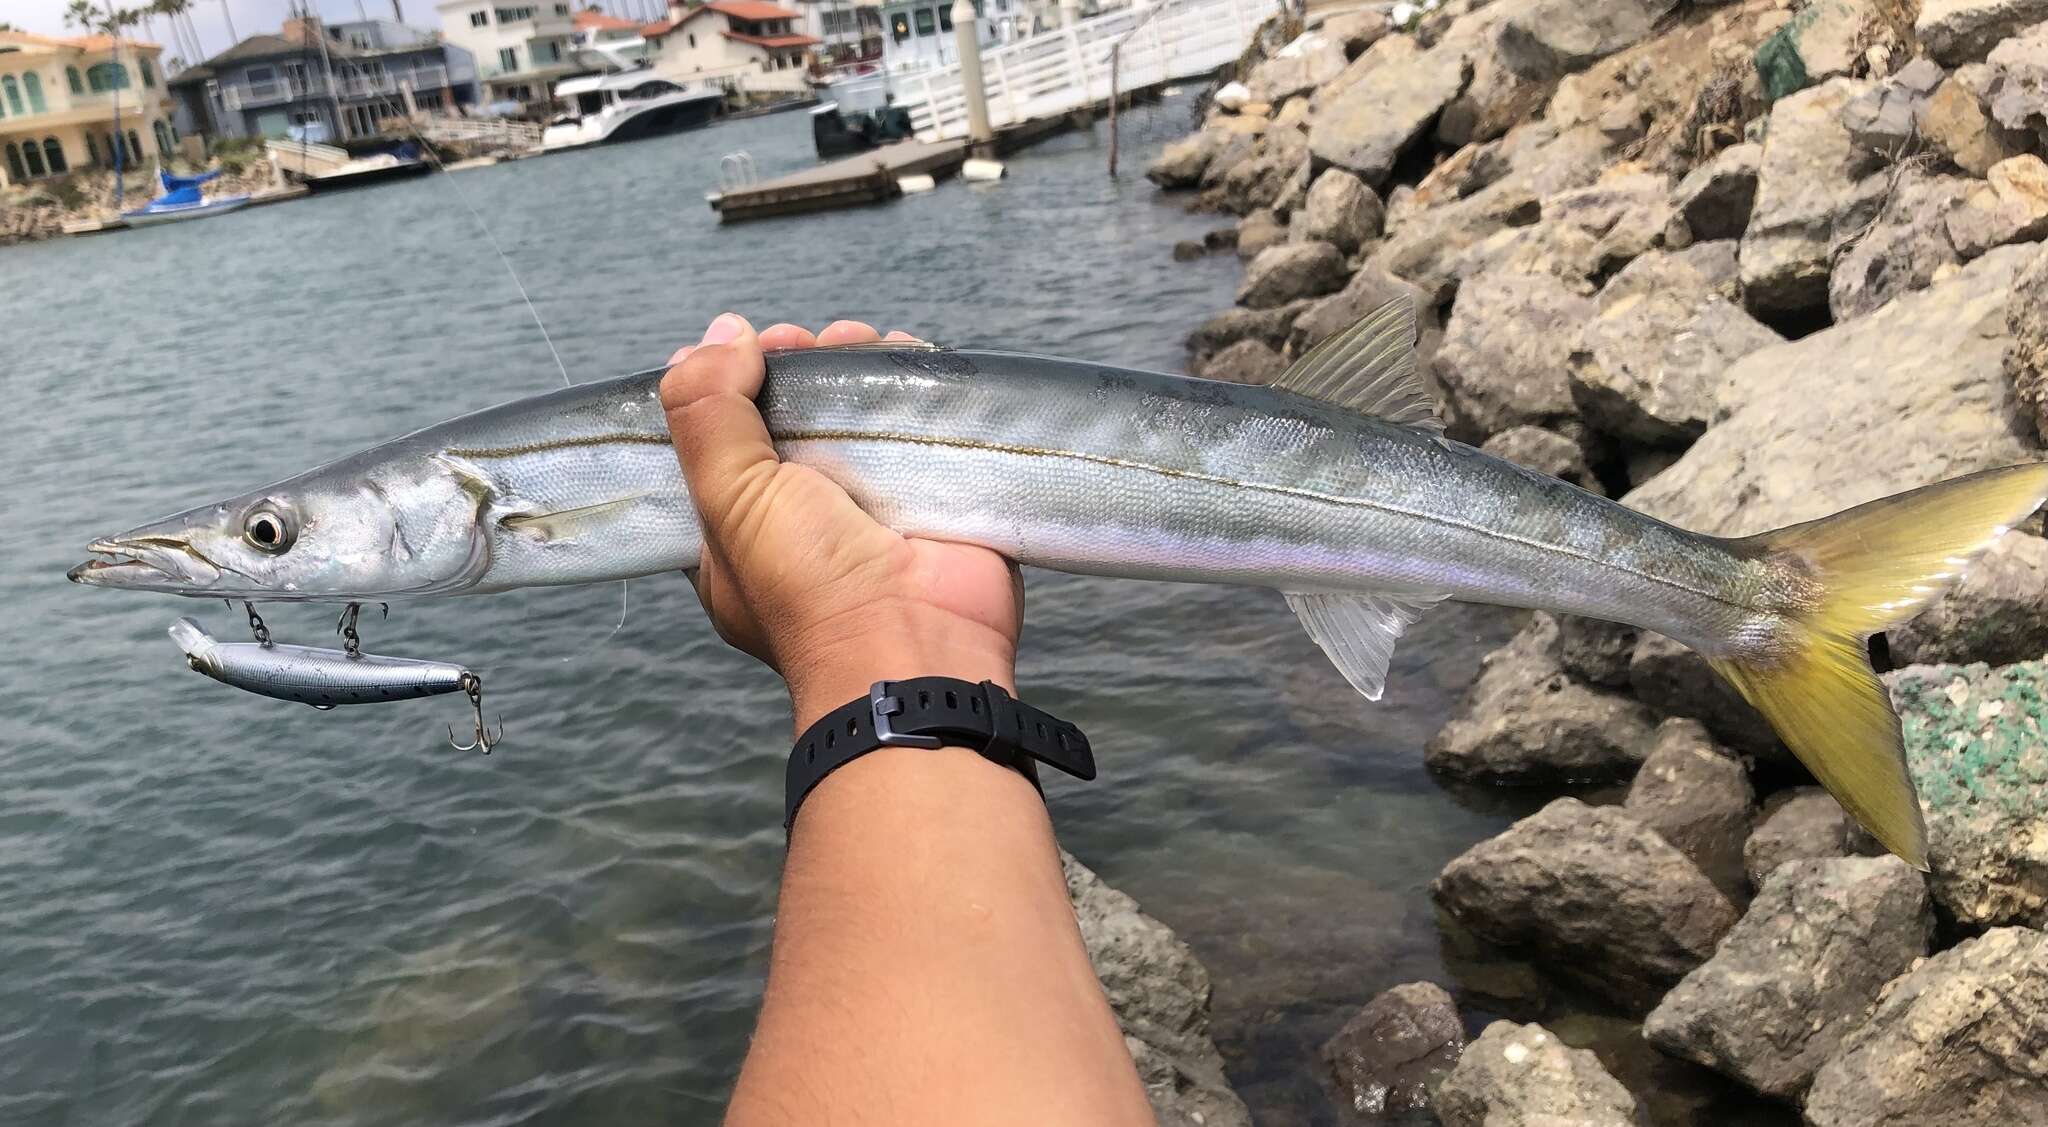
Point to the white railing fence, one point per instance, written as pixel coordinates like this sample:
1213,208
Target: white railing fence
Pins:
1067,69
483,130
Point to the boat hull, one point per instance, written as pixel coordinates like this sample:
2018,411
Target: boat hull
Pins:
335,182
659,120
147,217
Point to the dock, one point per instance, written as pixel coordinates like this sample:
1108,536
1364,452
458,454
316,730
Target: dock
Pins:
865,178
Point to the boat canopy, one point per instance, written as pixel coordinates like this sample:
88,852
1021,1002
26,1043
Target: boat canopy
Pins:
616,81
181,189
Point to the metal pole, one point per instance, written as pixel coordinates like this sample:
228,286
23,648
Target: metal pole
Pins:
967,37
230,18
1115,56
120,79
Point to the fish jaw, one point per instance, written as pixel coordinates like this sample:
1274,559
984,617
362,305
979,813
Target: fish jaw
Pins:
149,560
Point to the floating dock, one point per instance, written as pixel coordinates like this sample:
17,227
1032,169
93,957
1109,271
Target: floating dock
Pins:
865,178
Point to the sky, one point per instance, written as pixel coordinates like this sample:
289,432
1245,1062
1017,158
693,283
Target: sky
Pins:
211,17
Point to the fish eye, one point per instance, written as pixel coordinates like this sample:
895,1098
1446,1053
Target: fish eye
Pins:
266,530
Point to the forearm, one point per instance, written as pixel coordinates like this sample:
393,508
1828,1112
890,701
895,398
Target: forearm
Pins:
927,967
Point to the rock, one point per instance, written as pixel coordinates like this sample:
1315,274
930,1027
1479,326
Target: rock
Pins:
1960,126
1645,370
1297,68
1962,31
1891,117
2017,94
1341,211
1269,326
1246,361
1625,214
1220,238
1523,1076
1697,795
1355,31
1526,722
1231,97
1797,825
1975,747
1503,357
1595,651
1368,290
1259,180
1181,163
1552,38
1642,465
1235,150
1798,972
1901,247
1366,128
1258,231
1187,250
2011,208
1808,156
1544,451
1288,271
1592,893
1956,1041
2026,361
1998,613
1494,100
1160,994
1715,199
1672,679
1822,40
1391,1056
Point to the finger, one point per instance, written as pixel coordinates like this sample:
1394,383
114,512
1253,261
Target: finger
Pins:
719,437
899,334
680,355
848,332
786,335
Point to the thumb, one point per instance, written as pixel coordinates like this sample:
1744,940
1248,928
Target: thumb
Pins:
720,438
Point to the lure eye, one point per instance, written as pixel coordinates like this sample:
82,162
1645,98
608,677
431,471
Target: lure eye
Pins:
267,531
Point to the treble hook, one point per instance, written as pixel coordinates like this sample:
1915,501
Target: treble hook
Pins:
473,687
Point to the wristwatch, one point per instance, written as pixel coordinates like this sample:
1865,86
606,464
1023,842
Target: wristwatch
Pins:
935,712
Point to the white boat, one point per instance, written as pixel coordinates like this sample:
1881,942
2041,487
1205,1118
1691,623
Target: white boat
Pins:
626,106
181,200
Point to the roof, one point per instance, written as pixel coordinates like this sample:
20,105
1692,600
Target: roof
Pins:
775,40
75,43
590,19
756,10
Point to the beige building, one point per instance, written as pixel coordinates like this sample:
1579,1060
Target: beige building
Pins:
57,105
750,45
521,46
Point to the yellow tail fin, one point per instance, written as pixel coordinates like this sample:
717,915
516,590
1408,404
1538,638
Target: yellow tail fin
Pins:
1859,572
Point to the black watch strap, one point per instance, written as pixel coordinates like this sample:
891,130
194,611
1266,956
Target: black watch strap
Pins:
934,712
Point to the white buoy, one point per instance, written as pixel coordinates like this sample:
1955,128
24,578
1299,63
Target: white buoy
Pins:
982,171
916,182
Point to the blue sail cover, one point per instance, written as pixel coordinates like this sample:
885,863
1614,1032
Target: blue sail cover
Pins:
174,183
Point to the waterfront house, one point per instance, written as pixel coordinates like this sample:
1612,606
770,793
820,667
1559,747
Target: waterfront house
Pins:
335,83
850,30
521,47
57,98
616,40
747,45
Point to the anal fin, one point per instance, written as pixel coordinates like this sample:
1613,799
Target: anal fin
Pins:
1358,631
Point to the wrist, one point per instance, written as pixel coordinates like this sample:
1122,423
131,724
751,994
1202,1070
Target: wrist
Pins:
824,680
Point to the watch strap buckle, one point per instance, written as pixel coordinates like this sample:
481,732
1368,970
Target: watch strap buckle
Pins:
885,704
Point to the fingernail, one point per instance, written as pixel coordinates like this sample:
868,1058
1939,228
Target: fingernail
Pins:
725,328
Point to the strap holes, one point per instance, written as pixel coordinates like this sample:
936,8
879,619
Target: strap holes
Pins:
974,705
810,753
924,698
1041,730
1062,737
852,726
831,737
952,701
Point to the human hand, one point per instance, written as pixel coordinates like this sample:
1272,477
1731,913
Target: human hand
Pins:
794,572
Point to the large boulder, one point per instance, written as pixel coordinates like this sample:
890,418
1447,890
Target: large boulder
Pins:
1671,678
1526,722
1181,163
1283,273
1393,1054
1545,451
1366,291
1160,993
1716,198
2026,361
1267,326
1259,180
1799,971
1797,824
1523,1076
1593,893
2011,207
1341,210
1957,1041
1824,39
1804,176
1369,126
1235,150
1697,795
1898,249
1594,650
1301,66
1893,116
1624,213
1998,613
1645,369
1553,38
1977,747
1962,31
1260,230
1503,358
2017,94
1244,361
1959,124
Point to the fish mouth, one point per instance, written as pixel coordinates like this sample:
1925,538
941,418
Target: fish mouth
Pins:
146,563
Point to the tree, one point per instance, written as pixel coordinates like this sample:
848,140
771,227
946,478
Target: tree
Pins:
109,20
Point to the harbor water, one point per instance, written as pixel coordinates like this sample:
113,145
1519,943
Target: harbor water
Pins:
223,909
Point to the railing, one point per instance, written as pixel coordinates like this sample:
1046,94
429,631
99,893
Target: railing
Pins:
484,130
348,84
1065,70
236,95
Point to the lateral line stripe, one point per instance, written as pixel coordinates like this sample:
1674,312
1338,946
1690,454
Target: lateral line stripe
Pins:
628,438
1255,486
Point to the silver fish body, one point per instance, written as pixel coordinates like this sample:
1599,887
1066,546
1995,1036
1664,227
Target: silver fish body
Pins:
322,678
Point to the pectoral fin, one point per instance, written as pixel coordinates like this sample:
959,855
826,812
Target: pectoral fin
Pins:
568,524
1358,631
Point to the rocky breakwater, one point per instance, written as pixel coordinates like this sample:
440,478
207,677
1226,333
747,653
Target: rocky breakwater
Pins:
1739,266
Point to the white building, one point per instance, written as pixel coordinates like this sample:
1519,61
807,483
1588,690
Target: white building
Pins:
617,41
521,46
749,45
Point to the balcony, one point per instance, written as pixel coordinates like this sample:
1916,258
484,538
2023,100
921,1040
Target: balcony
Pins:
359,84
249,95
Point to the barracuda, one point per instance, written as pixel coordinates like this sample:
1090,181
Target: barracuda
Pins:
1335,486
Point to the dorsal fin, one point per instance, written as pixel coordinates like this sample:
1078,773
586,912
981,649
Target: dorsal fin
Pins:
1369,368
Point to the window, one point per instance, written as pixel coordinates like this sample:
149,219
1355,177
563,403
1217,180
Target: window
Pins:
945,17
561,9
148,74
15,171
92,150
13,93
106,76
55,153
163,139
554,51
899,27
33,157
508,58
925,24
134,146
693,41
479,19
